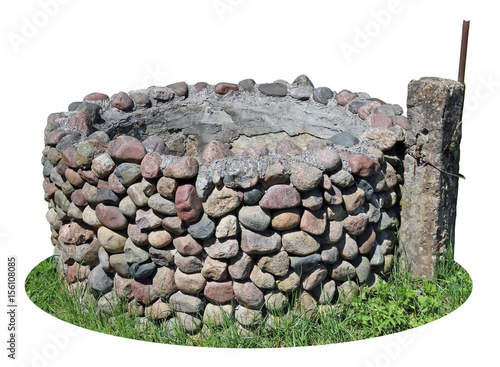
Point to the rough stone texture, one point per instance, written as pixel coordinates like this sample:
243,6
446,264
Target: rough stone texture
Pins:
280,197
221,202
429,197
264,242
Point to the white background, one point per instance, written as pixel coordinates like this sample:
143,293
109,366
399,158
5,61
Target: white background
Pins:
54,55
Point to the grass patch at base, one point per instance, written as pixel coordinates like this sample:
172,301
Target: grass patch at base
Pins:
395,305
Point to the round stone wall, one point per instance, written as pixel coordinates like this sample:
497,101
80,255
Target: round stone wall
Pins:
195,201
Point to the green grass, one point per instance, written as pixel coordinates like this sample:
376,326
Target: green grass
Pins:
398,304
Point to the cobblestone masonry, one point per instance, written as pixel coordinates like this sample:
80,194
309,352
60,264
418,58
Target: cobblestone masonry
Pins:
189,228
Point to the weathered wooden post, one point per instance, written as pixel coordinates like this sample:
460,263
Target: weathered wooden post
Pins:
431,166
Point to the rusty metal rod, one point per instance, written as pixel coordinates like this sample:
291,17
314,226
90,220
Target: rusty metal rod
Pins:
463,51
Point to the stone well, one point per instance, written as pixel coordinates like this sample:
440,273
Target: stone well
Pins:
192,201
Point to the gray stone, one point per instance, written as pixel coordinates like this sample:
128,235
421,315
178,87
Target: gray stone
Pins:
363,269
248,317
254,218
242,171
342,271
300,243
107,196
304,264
388,220
344,139
366,187
322,95
204,184
135,254
240,266
265,242
248,295
161,257
312,199
342,178
99,281
303,80
429,198
221,248
248,85
261,279
273,89
377,256
302,93
127,207
187,303
276,264
275,302
203,229
120,265
136,193
253,195
188,264
161,205
142,271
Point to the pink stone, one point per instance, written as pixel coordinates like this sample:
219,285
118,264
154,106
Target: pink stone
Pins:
173,225
256,151
367,109
189,283
126,149
275,174
401,121
68,156
355,224
187,203
78,199
95,97
137,236
366,240
280,197
187,245
88,176
143,291
248,295
344,97
329,159
111,217
385,139
75,234
122,101
219,292
381,121
55,136
215,150
287,149
313,222
150,165
116,185
51,189
361,165
81,121
224,88
147,219
182,168
77,273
